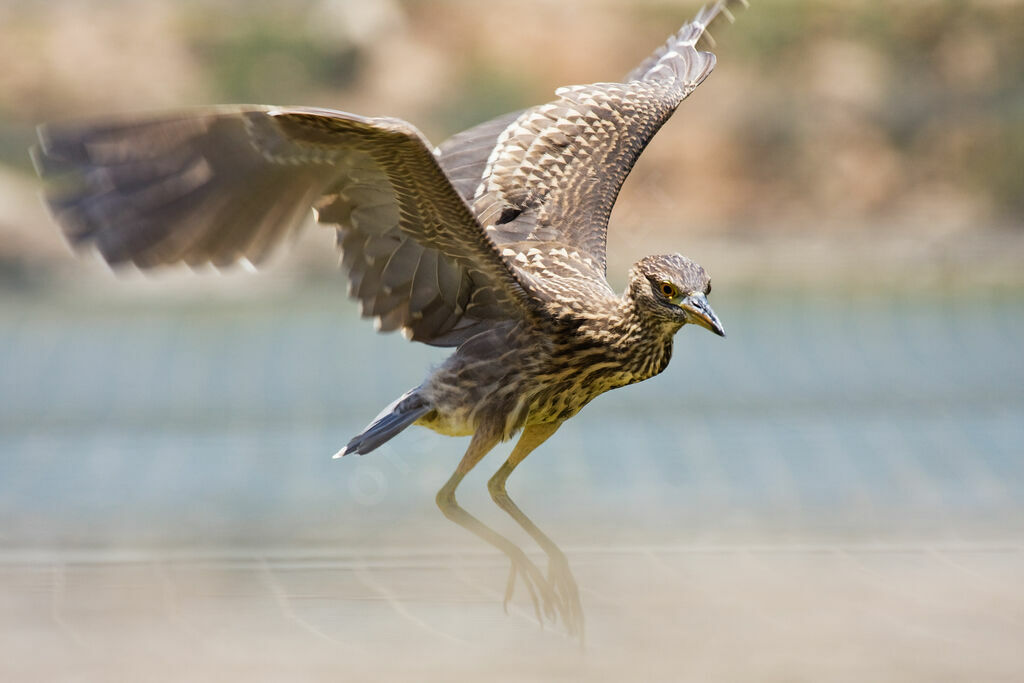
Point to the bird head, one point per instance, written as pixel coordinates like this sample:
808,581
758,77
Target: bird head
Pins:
674,290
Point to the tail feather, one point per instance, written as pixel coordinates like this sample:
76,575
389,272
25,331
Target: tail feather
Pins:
408,408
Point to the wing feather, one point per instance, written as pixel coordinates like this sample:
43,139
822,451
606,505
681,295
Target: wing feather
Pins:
220,185
554,171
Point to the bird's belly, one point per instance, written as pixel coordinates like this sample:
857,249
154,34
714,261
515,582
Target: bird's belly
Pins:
462,404
540,400
503,383
452,422
561,400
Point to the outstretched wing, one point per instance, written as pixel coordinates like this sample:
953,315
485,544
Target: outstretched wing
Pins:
225,184
547,183
464,155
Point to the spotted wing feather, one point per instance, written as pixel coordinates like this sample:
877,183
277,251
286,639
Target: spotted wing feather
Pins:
464,155
554,172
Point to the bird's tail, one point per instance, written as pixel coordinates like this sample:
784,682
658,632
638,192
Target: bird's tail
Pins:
405,410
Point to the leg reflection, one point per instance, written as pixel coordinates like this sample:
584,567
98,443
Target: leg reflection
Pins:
560,579
546,602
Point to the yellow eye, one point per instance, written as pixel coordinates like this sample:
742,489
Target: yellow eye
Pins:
668,289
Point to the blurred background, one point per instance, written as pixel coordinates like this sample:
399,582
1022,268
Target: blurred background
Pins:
834,492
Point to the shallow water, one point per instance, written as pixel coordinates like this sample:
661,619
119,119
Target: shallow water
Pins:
870,450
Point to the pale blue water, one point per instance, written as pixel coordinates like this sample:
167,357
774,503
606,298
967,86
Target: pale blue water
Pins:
209,423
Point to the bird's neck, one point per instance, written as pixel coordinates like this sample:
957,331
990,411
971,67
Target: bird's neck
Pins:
644,341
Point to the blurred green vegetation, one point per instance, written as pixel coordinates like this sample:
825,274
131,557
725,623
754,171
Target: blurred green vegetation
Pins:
242,67
268,55
484,91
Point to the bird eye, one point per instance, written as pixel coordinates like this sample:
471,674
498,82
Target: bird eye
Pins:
668,289
707,290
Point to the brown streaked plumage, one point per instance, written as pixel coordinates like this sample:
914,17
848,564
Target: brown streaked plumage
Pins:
494,242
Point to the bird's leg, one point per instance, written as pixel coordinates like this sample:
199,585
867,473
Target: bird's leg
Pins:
560,577
521,564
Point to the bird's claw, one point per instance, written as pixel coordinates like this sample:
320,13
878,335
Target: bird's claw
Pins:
563,584
554,597
546,602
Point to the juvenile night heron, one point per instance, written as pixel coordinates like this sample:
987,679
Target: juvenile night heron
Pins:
493,243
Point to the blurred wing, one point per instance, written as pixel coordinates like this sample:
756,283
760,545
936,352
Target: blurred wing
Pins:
225,184
555,170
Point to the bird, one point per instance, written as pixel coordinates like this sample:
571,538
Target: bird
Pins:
493,242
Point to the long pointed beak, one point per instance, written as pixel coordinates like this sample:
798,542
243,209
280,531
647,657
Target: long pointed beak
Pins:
699,312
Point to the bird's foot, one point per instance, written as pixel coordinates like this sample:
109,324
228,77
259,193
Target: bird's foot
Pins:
563,584
554,597
545,599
